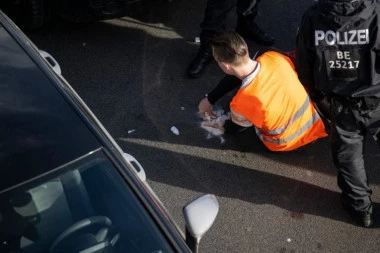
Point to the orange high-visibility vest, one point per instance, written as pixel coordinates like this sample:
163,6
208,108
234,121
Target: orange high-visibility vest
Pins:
276,103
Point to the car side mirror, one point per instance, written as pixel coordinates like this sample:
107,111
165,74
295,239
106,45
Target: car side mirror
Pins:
199,215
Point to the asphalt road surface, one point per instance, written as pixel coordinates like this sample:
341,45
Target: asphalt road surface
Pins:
131,73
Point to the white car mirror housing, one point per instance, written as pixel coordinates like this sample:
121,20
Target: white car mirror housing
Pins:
199,215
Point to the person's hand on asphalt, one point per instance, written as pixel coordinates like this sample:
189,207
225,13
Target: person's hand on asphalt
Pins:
205,109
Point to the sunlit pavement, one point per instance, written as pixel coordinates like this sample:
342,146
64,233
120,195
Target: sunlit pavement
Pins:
131,72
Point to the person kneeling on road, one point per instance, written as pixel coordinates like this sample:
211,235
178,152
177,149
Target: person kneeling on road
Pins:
270,96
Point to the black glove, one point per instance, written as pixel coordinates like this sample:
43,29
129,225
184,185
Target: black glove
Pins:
323,108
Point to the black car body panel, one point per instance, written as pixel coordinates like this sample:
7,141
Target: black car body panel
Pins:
45,125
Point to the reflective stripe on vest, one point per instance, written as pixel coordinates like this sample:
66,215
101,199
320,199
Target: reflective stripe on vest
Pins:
300,132
296,116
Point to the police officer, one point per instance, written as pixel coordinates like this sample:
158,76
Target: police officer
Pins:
215,15
338,45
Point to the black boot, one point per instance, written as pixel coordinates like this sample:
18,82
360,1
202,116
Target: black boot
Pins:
248,29
198,64
362,218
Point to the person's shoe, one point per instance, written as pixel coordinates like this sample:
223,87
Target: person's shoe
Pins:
198,64
364,219
248,29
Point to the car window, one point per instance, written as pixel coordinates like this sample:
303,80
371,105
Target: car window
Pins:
85,206
39,124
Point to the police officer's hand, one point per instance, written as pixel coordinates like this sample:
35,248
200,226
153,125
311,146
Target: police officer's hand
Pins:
323,107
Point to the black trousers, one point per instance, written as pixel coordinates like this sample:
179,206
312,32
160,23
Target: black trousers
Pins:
351,121
216,13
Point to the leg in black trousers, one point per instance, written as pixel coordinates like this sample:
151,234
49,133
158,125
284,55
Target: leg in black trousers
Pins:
214,20
349,130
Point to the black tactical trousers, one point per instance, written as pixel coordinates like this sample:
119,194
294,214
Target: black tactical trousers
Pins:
352,120
216,13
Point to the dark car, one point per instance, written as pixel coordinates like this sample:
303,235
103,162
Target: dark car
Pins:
65,184
36,14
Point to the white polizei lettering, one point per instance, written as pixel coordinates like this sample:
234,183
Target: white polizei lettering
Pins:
367,35
319,35
352,37
332,35
338,39
346,37
363,37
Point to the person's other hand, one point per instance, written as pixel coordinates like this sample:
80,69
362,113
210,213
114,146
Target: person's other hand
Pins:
205,108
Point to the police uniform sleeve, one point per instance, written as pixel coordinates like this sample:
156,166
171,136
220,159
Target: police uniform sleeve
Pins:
305,58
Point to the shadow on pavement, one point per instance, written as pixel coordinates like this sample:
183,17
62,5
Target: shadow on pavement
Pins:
297,198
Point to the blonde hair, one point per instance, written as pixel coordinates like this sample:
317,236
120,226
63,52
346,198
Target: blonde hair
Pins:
228,46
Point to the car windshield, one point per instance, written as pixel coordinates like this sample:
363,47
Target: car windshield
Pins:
85,206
